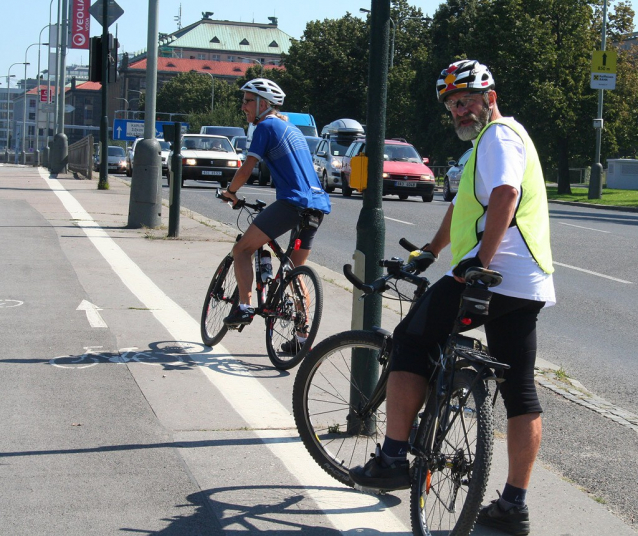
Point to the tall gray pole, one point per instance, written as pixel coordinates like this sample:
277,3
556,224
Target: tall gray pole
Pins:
145,203
56,98
103,182
595,190
62,39
59,154
371,223
24,107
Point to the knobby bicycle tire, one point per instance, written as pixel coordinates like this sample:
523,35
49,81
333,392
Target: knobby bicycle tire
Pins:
448,486
222,295
298,308
326,399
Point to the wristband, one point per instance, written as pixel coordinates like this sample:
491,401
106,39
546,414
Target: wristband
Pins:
231,192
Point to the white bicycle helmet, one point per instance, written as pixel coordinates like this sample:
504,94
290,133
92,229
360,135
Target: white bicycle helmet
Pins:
464,75
266,89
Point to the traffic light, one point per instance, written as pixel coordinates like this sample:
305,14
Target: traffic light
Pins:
95,60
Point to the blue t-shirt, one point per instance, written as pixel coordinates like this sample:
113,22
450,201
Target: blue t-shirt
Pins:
283,147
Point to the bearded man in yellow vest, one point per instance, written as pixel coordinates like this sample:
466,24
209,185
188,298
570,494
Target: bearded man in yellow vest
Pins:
498,219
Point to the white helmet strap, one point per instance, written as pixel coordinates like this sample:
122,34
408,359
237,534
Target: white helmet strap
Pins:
260,116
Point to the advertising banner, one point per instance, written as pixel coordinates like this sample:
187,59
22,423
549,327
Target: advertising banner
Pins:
80,24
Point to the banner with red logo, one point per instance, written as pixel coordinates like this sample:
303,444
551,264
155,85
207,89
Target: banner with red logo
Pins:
80,24
44,94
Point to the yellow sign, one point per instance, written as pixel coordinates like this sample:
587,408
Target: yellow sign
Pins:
603,61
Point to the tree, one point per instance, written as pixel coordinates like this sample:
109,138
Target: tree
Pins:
326,70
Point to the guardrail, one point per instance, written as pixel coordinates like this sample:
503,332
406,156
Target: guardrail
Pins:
81,157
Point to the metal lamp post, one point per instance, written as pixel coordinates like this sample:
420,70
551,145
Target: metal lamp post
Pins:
125,109
36,152
9,76
6,145
24,107
212,82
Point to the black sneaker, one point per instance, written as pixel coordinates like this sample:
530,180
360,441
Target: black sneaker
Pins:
377,474
513,521
292,346
240,317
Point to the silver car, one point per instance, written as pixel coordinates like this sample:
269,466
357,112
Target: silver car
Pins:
453,175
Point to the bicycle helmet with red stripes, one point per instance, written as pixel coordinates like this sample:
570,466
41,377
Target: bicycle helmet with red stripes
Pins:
464,75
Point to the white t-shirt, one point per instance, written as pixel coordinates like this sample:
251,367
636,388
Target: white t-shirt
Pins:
501,161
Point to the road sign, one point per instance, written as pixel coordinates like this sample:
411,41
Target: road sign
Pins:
603,61
129,129
603,81
603,69
114,12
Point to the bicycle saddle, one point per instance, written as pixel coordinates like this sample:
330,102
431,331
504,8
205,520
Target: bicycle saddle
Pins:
489,278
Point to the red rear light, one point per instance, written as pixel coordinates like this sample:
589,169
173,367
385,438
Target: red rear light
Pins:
466,321
297,244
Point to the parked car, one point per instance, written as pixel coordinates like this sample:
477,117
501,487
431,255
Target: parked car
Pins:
165,149
404,171
229,132
116,160
453,175
313,142
337,137
207,158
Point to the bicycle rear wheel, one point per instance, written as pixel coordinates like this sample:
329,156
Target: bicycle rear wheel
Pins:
298,310
222,295
327,401
448,486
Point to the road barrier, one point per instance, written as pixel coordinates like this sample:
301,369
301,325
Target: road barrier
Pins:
81,157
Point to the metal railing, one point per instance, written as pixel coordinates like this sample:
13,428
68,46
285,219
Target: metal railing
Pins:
81,157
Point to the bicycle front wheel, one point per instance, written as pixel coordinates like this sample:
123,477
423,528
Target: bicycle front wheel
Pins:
448,485
338,400
297,312
222,295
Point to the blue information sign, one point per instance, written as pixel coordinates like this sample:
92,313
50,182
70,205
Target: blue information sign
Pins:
130,129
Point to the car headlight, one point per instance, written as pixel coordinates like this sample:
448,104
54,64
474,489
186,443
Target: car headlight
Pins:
233,163
386,175
190,161
429,178
336,164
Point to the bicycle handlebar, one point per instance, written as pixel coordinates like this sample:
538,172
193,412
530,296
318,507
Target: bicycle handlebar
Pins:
258,206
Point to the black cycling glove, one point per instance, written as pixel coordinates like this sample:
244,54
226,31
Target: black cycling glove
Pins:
471,262
421,259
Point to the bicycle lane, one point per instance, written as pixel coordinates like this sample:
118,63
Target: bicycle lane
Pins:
262,413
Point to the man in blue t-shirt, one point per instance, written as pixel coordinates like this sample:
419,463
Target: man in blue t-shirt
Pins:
283,147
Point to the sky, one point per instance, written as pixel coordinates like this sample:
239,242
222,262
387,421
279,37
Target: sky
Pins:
20,30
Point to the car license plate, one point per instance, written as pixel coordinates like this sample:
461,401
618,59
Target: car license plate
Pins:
406,184
208,172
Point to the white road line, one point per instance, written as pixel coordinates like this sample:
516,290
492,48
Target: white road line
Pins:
593,273
246,394
581,227
400,221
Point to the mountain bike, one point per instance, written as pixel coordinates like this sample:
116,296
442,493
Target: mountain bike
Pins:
339,406
291,302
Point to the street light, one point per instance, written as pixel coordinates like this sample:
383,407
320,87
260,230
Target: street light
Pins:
6,150
36,153
212,82
253,59
394,31
6,145
24,104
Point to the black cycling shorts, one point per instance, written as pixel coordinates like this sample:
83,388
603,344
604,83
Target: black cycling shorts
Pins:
510,329
281,217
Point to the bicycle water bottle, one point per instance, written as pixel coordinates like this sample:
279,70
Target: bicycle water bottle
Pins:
266,266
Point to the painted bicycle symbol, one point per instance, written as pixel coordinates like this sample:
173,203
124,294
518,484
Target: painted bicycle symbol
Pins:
93,356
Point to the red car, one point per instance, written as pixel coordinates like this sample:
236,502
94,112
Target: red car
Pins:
404,171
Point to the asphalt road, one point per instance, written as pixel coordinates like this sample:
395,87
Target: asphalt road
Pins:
590,333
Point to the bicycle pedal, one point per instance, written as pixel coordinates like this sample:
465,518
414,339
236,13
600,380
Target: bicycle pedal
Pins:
369,491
